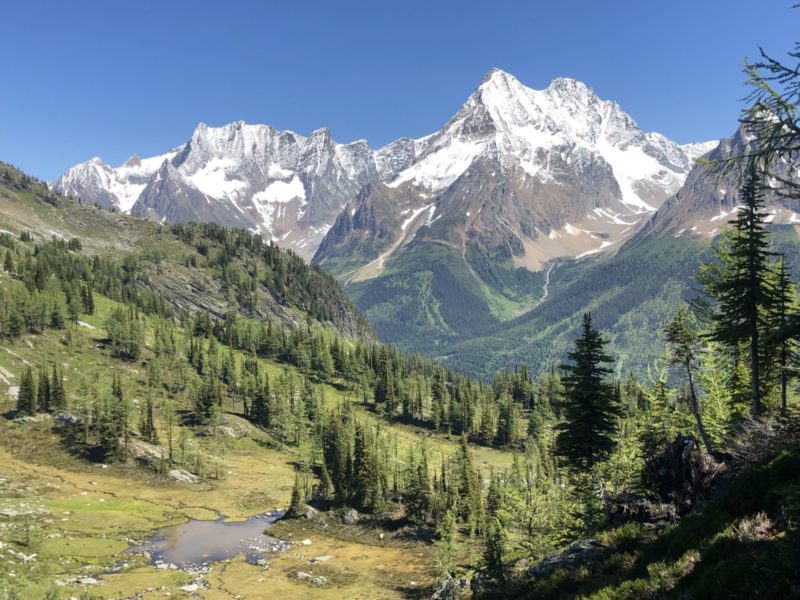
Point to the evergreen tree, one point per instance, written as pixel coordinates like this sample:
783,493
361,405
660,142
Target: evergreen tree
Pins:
58,400
586,437
298,497
445,548
8,263
43,394
26,396
781,316
739,283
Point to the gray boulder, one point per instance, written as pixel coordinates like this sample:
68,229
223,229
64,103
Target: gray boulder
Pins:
183,476
350,517
579,553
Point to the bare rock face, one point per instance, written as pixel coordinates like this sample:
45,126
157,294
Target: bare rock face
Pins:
682,474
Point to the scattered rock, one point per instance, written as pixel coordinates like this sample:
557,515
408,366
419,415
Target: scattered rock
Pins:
319,559
182,475
579,553
309,512
192,587
312,579
350,517
451,589
88,581
40,418
306,542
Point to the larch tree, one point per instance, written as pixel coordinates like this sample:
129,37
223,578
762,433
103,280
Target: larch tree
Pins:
682,339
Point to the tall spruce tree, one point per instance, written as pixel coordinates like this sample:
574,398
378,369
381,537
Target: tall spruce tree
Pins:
586,437
739,283
782,334
26,396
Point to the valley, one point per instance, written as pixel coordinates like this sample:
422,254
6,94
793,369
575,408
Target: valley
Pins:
525,346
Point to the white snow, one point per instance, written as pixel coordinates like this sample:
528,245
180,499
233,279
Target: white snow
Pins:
724,215
442,167
603,246
414,215
271,201
277,172
217,178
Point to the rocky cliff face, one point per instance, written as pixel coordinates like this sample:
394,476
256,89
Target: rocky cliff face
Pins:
707,201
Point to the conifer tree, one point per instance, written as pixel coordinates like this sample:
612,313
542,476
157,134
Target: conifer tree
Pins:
43,395
445,548
586,437
58,400
8,263
26,397
781,316
739,282
298,497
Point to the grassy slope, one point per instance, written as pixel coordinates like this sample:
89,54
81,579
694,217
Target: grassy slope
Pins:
744,544
80,516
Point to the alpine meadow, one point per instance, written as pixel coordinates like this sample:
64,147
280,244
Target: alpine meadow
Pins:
540,352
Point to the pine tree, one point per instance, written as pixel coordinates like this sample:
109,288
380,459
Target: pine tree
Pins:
739,281
8,263
467,485
43,394
298,497
682,338
781,316
58,400
26,397
487,422
586,437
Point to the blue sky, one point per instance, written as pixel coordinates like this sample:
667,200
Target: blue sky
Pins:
113,79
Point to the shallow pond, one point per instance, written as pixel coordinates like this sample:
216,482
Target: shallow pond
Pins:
197,543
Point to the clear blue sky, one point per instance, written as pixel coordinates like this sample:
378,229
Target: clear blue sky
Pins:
112,78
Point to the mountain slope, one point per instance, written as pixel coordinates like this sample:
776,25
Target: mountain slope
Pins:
707,201
234,272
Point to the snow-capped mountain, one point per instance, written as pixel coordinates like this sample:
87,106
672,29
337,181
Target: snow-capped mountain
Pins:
288,187
527,175
97,182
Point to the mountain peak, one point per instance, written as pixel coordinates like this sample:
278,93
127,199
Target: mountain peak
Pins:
567,87
496,74
133,161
